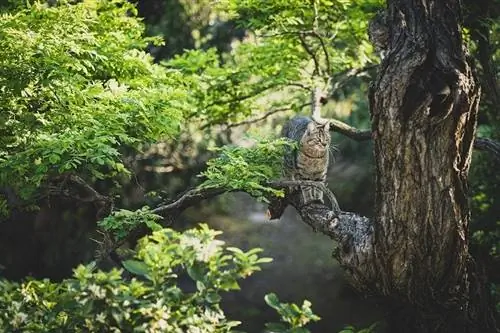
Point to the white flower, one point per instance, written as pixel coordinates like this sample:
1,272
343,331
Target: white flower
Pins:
97,291
18,319
101,317
207,251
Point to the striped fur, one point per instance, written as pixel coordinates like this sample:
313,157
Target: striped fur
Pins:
310,160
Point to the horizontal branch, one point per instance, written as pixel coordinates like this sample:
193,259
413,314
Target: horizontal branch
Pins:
189,198
489,146
482,144
349,131
348,229
264,116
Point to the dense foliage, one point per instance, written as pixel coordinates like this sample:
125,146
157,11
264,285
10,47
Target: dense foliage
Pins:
161,298
79,92
75,87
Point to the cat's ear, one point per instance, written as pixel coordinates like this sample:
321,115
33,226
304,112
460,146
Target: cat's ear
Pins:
327,126
311,126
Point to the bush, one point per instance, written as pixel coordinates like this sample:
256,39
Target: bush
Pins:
176,288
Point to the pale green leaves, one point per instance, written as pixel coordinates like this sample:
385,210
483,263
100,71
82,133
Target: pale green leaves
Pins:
294,316
97,301
247,169
121,222
76,87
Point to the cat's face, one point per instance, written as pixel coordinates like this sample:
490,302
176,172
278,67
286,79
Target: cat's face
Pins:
317,134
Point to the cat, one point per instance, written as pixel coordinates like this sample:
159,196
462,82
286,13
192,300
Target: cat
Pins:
308,161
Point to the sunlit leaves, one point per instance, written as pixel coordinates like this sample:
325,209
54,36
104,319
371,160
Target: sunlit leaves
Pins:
97,301
334,30
123,221
248,169
224,92
76,86
294,316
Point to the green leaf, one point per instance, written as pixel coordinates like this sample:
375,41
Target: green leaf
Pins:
264,260
212,297
200,286
136,267
273,301
276,328
196,272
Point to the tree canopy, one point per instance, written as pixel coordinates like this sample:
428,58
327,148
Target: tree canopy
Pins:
80,94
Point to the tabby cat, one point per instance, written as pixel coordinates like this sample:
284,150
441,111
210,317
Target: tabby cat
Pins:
310,160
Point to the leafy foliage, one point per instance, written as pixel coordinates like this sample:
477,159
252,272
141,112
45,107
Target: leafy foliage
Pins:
248,169
294,316
73,98
180,277
121,222
75,87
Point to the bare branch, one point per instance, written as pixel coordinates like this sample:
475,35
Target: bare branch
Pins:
319,216
489,146
317,68
188,199
482,144
349,131
74,187
253,94
264,116
325,51
342,78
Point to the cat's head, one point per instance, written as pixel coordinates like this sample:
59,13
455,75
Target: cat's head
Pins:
317,134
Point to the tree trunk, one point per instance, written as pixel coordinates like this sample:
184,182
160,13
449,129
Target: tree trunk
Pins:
424,105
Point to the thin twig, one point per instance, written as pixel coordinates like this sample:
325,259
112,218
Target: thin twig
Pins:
188,199
325,51
286,33
341,78
242,97
317,68
264,116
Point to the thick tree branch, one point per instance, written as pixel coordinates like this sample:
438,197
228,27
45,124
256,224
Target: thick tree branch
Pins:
482,144
349,131
489,146
348,229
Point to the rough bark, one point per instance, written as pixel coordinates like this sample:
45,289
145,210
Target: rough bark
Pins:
424,106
